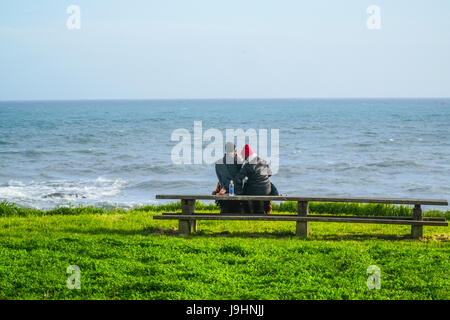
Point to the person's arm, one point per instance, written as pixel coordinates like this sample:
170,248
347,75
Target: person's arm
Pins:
269,170
224,178
219,175
240,177
216,190
265,169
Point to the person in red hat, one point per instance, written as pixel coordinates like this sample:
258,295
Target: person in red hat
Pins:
255,173
247,151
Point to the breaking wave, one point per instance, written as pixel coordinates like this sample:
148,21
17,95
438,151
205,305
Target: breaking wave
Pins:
61,192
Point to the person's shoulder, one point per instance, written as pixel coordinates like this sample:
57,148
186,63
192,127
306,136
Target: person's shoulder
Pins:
220,161
261,160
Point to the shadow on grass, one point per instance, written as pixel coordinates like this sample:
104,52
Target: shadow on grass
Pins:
174,232
363,237
122,232
243,234
287,234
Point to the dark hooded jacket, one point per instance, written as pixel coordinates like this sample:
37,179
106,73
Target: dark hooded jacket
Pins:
258,172
226,169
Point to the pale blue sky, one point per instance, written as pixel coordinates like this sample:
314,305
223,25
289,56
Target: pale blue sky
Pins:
223,49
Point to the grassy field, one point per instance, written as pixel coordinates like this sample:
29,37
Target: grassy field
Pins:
128,255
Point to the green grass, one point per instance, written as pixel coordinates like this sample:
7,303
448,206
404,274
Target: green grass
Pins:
358,209
128,255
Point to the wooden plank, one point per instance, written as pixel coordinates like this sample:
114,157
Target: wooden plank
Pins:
331,216
417,230
381,217
300,218
439,202
302,227
374,217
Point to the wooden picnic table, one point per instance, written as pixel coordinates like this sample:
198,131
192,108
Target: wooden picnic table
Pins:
188,218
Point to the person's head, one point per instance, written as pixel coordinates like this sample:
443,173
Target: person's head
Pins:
247,151
230,148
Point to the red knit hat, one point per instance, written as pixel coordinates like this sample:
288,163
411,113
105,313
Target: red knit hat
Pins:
246,151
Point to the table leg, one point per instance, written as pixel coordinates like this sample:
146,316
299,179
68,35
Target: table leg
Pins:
417,231
187,226
302,228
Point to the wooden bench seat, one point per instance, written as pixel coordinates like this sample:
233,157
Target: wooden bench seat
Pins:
188,218
288,217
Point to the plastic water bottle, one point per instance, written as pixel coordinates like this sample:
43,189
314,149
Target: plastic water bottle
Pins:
231,188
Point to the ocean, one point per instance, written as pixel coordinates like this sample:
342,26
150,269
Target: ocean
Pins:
118,153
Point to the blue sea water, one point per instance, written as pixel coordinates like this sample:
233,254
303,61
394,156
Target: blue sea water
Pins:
118,153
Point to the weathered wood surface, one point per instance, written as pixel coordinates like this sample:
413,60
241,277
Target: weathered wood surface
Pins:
186,225
324,215
437,202
301,218
188,218
417,230
302,226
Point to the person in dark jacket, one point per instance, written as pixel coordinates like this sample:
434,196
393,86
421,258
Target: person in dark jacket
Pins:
255,174
226,169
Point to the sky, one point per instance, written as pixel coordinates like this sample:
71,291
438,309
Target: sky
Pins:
175,49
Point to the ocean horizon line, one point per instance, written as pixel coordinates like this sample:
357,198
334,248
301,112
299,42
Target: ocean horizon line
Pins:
224,99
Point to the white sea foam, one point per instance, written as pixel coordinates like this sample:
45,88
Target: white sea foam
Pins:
60,192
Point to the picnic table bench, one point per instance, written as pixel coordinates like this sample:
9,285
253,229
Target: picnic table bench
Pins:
188,218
